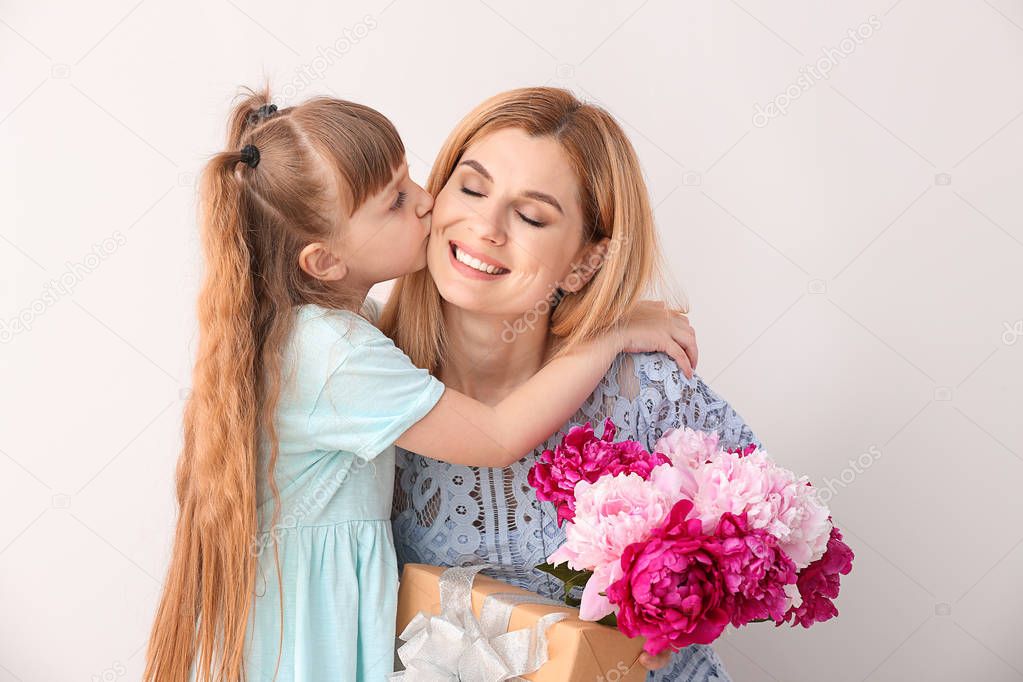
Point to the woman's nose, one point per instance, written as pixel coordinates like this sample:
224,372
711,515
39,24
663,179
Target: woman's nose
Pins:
488,228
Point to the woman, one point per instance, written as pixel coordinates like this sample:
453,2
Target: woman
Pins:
542,236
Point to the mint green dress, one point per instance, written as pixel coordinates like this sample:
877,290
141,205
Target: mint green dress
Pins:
348,395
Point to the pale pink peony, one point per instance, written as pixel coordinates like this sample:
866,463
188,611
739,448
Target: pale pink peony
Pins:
688,447
610,514
771,496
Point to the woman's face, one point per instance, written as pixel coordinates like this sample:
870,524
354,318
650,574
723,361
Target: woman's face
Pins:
508,226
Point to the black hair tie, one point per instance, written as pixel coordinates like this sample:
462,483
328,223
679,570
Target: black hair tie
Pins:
250,155
263,112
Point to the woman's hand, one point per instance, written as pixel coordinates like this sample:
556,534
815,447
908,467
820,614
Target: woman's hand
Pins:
654,327
655,662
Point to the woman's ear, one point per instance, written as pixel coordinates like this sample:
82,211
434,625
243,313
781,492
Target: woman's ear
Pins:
317,261
591,258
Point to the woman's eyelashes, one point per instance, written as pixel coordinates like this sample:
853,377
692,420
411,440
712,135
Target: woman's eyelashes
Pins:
400,201
534,223
526,219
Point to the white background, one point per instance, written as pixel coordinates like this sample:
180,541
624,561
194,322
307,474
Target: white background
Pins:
853,267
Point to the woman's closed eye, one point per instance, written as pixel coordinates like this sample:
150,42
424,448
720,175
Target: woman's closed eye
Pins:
526,219
531,221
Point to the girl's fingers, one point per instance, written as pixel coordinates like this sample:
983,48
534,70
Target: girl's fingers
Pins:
683,334
690,340
688,343
678,354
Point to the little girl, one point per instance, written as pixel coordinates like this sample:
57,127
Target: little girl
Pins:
283,564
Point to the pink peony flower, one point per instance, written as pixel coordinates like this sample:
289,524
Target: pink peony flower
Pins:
771,496
582,456
611,514
819,582
688,447
672,591
757,574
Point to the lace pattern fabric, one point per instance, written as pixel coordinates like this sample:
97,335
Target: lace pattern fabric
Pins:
453,515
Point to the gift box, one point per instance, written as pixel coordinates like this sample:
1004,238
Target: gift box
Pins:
576,650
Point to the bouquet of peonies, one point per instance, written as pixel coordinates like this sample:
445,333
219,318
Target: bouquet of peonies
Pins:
676,544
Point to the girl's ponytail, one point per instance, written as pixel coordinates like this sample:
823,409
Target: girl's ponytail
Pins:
203,614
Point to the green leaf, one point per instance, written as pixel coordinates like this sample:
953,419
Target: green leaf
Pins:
572,579
569,576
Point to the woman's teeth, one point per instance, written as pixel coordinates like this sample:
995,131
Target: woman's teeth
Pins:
477,264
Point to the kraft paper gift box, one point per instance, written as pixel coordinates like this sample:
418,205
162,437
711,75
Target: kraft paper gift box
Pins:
578,650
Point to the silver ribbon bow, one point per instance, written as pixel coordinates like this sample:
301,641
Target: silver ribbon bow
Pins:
455,646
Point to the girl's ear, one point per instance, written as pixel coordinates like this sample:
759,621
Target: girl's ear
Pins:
317,261
591,258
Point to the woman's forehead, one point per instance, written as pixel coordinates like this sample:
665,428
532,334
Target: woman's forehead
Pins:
513,157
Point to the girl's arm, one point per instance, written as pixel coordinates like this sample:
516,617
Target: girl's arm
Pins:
461,430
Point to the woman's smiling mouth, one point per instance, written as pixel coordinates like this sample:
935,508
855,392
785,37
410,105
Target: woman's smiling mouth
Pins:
472,265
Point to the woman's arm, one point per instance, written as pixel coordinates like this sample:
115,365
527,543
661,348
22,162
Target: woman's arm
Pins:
461,430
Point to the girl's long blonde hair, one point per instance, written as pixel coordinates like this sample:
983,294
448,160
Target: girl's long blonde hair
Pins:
315,159
615,204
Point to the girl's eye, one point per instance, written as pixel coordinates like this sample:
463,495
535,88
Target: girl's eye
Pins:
534,223
399,202
466,190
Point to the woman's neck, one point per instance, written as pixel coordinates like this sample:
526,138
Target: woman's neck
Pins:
486,356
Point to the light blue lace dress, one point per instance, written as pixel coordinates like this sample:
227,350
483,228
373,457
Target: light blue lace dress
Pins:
452,515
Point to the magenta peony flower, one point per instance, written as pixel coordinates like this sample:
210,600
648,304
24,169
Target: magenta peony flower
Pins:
818,583
742,452
672,591
758,575
582,456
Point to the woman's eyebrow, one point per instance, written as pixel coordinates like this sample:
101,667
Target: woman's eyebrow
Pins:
546,198
532,194
478,167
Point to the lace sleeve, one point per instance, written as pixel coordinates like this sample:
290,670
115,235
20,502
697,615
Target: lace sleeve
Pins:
669,400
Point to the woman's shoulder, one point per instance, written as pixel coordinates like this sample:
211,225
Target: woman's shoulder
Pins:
635,372
658,373
667,398
656,366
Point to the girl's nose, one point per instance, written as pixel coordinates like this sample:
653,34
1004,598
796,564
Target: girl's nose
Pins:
424,203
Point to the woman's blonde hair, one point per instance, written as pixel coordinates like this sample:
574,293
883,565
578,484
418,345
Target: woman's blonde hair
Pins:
257,213
615,204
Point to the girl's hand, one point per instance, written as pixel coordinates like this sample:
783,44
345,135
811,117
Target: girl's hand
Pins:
655,662
654,327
